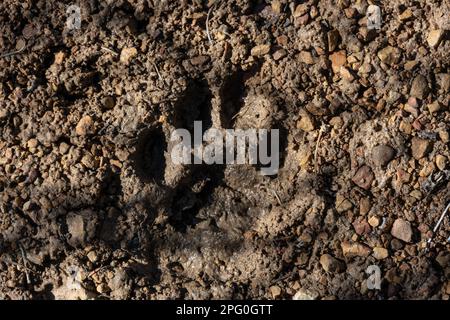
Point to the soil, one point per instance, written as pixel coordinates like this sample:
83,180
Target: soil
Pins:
92,207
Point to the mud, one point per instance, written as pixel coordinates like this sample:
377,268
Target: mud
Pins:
92,207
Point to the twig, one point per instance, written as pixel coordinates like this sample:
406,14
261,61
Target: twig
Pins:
13,52
316,151
157,71
436,227
211,42
24,259
110,51
276,196
96,270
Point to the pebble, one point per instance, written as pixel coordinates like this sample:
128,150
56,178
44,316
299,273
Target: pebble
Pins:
434,107
331,264
260,50
343,204
361,226
380,253
63,148
401,229
419,87
333,40
3,113
346,74
389,55
338,59
441,162
127,54
300,10
364,206
434,37
306,57
275,291
59,57
303,294
32,143
364,177
84,126
103,288
406,15
76,228
108,103
374,221
92,256
420,147
279,54
354,249
306,123
382,155
443,259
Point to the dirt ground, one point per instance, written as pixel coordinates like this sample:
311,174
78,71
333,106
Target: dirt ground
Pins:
91,205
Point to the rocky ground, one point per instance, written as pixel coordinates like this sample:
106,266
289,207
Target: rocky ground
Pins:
91,205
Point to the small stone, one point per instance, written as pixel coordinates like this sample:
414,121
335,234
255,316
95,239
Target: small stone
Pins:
406,15
306,57
380,253
435,37
279,54
441,162
342,204
361,226
76,228
300,10
331,264
103,288
409,65
364,206
81,227
306,123
346,74
260,50
419,87
389,55
382,155
303,294
200,60
63,148
276,6
89,161
338,59
434,107
32,143
303,20
420,147
444,135
92,256
59,57
85,126
3,113
275,291
127,54
401,229
108,103
443,259
354,249
396,244
29,31
416,194
374,221
333,40
364,177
